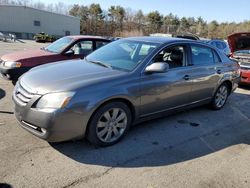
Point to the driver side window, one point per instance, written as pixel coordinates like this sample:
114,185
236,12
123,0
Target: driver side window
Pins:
174,56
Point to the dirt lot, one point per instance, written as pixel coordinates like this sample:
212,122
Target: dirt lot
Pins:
196,148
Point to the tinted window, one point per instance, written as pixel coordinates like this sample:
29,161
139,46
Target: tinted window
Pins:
83,47
99,44
174,56
201,55
146,49
216,57
220,45
59,45
122,54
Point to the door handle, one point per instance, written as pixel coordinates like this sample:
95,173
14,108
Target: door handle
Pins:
186,77
219,71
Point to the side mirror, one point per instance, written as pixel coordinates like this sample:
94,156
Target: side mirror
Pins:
158,67
69,53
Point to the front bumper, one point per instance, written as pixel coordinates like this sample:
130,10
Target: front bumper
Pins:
53,125
12,73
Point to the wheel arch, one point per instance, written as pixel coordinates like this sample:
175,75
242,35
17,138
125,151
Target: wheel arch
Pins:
227,82
118,99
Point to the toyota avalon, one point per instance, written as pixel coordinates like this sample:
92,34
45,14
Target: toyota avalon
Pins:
121,84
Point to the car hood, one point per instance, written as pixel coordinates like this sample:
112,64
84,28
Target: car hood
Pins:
66,76
27,54
239,41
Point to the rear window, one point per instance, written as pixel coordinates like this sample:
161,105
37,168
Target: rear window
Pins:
220,45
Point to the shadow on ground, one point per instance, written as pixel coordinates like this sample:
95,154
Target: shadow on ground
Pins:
5,185
181,137
246,87
2,93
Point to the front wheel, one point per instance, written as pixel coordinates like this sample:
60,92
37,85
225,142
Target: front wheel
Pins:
220,97
109,124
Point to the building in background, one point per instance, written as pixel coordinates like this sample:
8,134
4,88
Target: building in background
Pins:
25,22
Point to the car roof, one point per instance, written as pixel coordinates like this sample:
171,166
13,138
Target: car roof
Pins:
77,37
217,40
154,39
165,40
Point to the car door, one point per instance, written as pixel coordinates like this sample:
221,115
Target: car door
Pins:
164,91
207,71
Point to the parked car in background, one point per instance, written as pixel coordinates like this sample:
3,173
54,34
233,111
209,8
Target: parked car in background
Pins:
240,47
43,37
123,83
13,65
221,45
4,37
186,36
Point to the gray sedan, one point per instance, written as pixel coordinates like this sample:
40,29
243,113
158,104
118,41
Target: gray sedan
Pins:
121,84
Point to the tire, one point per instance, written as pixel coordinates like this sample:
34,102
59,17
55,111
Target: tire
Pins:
109,124
220,97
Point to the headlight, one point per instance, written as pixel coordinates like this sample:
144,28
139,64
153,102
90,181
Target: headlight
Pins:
54,100
12,64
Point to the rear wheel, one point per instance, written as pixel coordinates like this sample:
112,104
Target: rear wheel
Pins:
220,97
109,124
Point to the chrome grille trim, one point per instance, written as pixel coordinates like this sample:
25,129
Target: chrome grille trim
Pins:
21,95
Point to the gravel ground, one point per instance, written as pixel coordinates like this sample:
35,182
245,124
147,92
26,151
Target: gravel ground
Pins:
195,148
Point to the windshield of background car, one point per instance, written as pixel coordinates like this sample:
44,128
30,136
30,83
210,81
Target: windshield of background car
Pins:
123,54
59,45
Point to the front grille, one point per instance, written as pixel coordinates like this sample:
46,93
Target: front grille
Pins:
21,95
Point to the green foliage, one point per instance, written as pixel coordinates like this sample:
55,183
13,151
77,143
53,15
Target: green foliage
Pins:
118,21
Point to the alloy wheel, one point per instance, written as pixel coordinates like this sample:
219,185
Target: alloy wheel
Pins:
111,125
221,96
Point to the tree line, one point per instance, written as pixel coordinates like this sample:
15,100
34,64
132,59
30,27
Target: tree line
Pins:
120,21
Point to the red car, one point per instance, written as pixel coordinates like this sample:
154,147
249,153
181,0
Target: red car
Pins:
13,65
240,47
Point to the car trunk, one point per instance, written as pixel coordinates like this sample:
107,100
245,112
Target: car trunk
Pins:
239,41
239,44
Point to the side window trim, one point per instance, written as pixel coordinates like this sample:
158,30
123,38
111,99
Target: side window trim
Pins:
186,52
215,54
201,46
162,47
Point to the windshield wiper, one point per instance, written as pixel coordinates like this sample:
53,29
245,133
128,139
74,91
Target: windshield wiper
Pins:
99,63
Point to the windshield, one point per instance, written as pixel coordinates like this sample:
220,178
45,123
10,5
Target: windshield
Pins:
122,54
59,45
